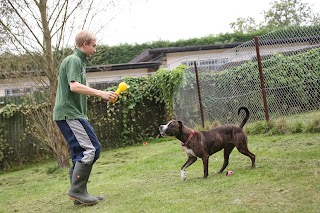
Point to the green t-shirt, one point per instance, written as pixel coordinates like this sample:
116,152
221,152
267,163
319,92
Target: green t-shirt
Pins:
71,105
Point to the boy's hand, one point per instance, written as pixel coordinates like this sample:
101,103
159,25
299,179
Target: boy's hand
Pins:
108,95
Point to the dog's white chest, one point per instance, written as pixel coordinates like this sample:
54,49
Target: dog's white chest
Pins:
189,152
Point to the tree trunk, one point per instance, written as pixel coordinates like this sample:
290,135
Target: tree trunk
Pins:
58,145
61,151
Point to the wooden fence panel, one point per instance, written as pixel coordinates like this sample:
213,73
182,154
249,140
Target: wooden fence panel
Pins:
112,130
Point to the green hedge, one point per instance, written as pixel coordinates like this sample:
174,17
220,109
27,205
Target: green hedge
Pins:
135,117
291,81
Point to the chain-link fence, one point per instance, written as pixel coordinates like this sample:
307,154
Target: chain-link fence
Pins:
273,75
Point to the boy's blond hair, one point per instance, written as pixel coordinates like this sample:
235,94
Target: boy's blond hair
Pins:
84,36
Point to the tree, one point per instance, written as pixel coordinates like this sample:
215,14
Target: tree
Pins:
282,13
285,13
5,11
41,29
244,25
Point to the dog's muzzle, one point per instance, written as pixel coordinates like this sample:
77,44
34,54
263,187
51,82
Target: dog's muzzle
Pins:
162,130
165,130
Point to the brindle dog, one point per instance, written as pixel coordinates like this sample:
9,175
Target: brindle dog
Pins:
202,144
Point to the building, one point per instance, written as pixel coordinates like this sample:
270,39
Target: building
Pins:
144,64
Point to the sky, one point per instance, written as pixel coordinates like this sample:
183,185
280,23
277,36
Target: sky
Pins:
173,20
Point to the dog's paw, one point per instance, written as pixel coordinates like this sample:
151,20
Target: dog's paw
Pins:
183,175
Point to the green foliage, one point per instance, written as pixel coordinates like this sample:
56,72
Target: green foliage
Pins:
207,125
285,13
280,15
8,110
25,106
244,25
5,149
139,110
293,31
301,123
314,125
133,118
279,71
27,142
126,52
118,54
167,83
52,170
259,127
17,66
123,53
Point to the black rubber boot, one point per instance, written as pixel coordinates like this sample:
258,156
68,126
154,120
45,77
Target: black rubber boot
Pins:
75,202
78,190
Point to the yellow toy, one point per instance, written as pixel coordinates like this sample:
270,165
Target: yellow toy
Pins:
121,87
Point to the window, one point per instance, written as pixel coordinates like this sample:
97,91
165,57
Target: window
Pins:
17,91
212,64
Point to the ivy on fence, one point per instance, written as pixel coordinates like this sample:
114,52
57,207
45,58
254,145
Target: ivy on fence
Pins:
292,83
135,117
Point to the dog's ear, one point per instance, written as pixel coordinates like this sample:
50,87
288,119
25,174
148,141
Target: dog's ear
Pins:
180,125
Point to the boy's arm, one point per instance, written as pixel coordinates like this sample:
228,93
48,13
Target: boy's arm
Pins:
85,90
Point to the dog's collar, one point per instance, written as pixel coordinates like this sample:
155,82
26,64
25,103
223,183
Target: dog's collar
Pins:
189,138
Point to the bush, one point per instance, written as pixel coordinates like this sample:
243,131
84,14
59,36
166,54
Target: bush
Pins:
313,126
5,150
259,127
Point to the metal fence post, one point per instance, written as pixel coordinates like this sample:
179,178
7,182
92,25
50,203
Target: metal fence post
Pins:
263,89
199,93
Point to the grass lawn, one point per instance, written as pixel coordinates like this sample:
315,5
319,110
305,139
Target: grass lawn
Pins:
147,179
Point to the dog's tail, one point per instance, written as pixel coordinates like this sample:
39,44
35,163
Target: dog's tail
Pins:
247,116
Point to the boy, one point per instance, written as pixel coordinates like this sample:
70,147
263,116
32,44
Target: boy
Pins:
70,114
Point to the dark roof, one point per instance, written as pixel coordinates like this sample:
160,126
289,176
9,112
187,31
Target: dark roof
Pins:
150,58
113,67
154,54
